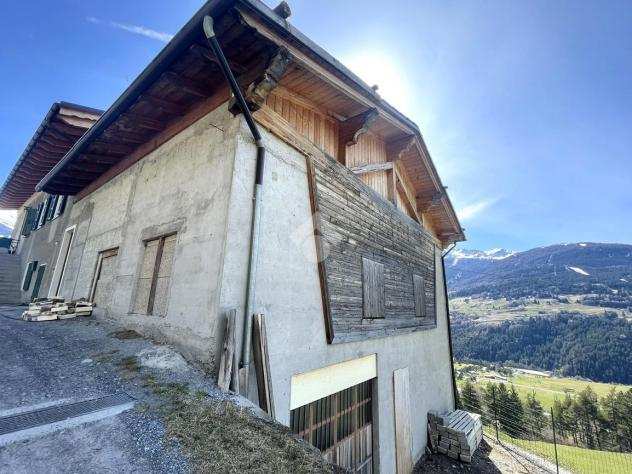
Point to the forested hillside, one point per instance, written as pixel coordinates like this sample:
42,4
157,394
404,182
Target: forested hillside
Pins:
598,348
564,308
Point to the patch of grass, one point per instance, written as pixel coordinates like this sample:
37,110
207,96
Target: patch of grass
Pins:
501,309
219,436
125,334
546,389
577,460
130,365
104,356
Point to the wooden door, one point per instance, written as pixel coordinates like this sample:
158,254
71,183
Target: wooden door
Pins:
104,278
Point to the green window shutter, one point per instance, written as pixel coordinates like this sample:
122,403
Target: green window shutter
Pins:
30,269
62,205
27,225
51,207
38,215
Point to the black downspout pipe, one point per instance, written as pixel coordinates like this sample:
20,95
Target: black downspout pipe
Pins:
455,393
236,90
244,366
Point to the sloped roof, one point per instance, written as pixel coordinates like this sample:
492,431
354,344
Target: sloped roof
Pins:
184,75
62,126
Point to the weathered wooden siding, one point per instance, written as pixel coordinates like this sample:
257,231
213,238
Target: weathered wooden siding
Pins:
370,149
355,222
310,122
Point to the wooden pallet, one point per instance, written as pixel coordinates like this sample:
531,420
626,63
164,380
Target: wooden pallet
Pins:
456,434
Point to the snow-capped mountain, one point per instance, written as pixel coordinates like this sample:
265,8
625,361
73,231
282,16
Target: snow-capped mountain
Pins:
491,254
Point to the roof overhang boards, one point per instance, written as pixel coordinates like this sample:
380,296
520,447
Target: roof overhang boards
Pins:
359,110
58,132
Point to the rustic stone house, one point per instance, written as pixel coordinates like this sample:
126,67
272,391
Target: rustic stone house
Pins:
340,251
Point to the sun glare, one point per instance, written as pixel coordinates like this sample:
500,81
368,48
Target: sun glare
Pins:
377,68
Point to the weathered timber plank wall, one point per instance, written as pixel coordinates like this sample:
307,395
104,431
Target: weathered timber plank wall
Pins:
309,122
353,222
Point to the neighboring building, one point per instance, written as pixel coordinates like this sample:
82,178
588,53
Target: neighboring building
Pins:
39,230
354,219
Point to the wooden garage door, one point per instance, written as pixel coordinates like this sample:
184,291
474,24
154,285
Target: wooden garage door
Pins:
104,282
340,425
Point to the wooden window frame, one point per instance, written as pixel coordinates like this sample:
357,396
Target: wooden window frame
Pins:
113,251
62,261
156,269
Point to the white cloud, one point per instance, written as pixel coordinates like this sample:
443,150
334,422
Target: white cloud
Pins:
472,210
135,29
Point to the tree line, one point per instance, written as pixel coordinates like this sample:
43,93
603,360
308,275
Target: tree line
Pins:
583,420
598,348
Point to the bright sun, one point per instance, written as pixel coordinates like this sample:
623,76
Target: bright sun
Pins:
375,67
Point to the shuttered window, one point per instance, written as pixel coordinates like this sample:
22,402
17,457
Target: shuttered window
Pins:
60,206
372,288
29,221
52,205
155,276
419,286
28,275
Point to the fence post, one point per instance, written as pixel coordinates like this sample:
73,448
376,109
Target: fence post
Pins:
557,464
495,413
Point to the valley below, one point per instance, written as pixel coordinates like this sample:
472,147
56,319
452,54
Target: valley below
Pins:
565,309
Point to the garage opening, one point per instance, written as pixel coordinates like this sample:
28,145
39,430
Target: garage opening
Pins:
340,425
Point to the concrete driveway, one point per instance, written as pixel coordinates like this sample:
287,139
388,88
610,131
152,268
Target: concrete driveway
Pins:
48,365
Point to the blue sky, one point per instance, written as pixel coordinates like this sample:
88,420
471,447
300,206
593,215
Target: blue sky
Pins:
526,106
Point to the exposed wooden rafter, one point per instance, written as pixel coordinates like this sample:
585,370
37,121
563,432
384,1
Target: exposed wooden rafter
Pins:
372,167
258,90
396,148
190,86
351,129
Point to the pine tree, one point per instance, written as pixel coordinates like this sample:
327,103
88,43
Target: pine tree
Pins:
470,399
535,415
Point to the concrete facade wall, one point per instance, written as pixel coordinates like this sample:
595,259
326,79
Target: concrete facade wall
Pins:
288,293
200,184
184,187
42,245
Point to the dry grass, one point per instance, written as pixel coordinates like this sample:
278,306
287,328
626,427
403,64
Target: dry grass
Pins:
219,436
125,334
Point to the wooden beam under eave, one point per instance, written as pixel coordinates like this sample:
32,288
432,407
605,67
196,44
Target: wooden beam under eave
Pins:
187,85
127,120
351,129
395,149
372,167
208,55
264,82
50,140
165,106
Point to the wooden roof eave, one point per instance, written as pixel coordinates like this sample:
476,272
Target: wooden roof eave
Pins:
37,158
367,99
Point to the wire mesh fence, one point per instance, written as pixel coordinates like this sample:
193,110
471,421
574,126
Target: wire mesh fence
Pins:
579,435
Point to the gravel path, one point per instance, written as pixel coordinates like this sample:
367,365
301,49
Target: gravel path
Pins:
84,358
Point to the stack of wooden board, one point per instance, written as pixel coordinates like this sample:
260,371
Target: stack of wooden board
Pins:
56,308
457,433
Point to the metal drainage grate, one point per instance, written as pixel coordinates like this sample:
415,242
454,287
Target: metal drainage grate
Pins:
54,414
